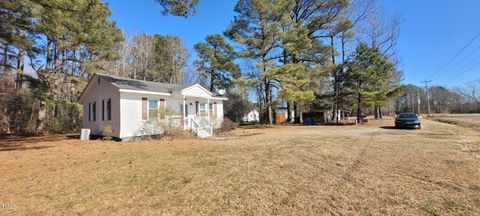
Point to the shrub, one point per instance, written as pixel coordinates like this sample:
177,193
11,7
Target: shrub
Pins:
165,125
107,132
174,132
228,125
67,117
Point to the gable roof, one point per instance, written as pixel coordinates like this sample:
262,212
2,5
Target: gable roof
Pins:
197,86
140,85
128,84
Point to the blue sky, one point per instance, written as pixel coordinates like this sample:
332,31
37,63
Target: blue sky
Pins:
433,32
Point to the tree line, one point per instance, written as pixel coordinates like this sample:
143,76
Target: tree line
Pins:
49,49
306,55
464,99
317,55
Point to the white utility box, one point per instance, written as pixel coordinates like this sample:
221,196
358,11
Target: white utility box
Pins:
85,134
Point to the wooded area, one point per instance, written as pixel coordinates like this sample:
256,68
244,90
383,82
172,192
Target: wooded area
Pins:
307,55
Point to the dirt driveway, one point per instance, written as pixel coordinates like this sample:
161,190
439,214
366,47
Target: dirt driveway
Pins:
287,170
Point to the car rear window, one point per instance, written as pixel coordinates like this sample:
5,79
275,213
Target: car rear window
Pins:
407,116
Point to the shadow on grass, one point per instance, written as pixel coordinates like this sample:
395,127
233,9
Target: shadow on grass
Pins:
22,148
395,128
257,126
22,143
248,134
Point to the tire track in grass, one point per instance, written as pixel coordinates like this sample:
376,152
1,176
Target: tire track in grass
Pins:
347,177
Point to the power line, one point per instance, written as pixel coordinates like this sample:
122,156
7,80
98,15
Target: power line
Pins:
456,55
442,77
462,74
458,73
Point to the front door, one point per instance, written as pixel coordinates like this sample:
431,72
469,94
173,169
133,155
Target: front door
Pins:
190,109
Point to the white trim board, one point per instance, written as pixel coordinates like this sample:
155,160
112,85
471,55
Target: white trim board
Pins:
144,92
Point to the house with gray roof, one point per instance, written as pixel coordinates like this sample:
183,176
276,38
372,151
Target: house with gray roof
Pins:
130,108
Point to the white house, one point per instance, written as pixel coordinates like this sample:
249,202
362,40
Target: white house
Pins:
251,117
128,105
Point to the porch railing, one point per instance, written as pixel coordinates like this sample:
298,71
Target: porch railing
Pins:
194,126
205,124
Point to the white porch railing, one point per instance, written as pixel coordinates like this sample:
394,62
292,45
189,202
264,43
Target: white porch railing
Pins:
200,126
205,124
194,127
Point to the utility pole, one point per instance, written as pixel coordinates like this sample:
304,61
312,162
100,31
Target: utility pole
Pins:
428,95
418,102
412,98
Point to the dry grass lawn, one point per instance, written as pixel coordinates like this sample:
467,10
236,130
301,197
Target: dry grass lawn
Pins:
291,170
466,120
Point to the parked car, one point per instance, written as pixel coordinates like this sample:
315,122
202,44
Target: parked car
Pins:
408,120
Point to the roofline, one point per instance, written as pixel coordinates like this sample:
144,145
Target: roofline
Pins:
201,87
123,90
143,92
79,99
219,98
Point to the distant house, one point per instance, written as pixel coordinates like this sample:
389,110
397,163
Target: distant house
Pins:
281,115
251,117
128,106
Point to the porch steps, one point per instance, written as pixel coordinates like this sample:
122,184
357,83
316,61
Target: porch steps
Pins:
203,133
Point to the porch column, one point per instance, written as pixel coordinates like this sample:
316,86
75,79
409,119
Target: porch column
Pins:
183,108
208,108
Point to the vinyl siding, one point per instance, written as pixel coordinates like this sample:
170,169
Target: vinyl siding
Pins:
219,115
96,92
127,108
131,113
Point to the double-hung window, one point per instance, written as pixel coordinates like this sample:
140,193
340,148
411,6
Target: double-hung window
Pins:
103,110
109,109
89,112
152,109
94,109
203,109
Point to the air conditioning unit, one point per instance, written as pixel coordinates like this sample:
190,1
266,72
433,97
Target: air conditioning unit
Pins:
85,134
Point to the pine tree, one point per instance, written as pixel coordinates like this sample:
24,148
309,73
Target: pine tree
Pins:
76,33
368,75
216,58
257,28
182,8
171,57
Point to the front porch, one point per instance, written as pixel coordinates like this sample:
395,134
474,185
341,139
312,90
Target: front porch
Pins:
196,109
198,115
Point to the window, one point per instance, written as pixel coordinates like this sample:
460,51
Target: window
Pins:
152,109
109,109
89,112
182,109
94,108
162,104
144,108
103,110
408,115
203,109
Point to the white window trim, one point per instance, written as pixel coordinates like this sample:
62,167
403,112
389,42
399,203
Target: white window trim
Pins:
148,107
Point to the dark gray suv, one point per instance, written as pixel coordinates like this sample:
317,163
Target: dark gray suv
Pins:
407,120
